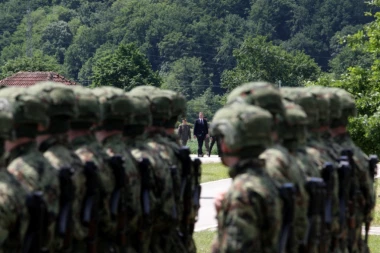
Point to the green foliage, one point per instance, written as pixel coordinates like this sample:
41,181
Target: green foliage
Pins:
173,34
203,240
362,79
56,38
258,59
208,103
39,62
213,171
187,76
126,68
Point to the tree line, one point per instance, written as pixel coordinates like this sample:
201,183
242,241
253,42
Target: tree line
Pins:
203,48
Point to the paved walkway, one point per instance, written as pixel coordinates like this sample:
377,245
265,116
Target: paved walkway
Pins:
207,212
206,159
206,219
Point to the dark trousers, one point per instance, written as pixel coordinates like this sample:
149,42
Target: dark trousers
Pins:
217,145
200,140
184,142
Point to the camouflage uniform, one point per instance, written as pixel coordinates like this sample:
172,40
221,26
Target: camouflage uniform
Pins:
320,139
13,215
294,138
30,168
90,151
280,165
185,179
250,216
184,133
116,108
55,147
361,182
165,170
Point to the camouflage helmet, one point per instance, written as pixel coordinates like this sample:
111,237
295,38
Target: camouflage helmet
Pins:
26,111
306,100
235,123
323,104
261,94
6,119
88,107
334,102
59,97
348,106
178,107
294,126
160,103
142,115
115,106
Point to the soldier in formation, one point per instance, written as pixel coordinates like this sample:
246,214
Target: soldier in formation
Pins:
102,170
323,181
95,170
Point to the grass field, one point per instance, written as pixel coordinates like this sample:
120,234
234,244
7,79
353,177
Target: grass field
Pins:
203,241
193,145
213,171
376,214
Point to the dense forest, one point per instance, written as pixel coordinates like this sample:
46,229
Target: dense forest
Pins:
203,48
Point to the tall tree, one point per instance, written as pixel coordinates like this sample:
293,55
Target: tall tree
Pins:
39,62
126,68
258,59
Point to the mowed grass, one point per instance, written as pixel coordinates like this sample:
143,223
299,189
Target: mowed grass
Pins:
203,241
376,214
193,145
213,172
374,243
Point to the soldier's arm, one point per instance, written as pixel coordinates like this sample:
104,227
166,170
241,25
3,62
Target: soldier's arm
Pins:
239,230
179,130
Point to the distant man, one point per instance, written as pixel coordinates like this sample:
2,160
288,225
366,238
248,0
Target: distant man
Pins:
200,132
184,132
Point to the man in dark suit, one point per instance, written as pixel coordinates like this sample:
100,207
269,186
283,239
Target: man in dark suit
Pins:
200,132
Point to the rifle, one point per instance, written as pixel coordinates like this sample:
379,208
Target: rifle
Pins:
353,192
327,175
373,161
313,187
145,186
118,208
372,166
344,172
35,235
287,193
67,190
90,205
186,191
173,173
144,236
196,194
184,156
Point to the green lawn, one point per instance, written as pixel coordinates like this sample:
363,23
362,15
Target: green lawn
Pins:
213,171
376,214
193,145
203,241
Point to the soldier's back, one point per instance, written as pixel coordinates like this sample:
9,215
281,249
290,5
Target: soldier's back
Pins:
34,173
62,158
282,167
250,217
13,215
114,146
